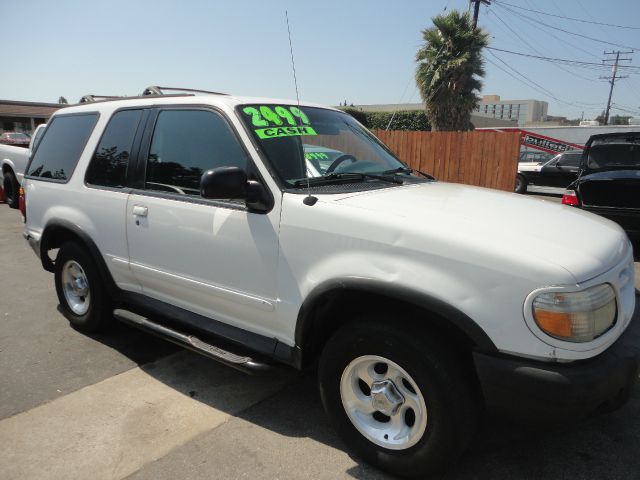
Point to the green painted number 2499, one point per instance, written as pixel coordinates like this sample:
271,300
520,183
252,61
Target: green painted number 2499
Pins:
264,116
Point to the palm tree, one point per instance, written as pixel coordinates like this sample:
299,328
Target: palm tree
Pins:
449,70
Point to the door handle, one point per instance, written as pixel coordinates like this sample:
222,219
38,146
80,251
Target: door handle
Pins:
140,211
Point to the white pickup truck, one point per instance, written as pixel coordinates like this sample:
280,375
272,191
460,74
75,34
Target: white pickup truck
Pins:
13,161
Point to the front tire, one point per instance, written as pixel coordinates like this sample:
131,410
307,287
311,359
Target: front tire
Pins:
398,398
11,188
80,289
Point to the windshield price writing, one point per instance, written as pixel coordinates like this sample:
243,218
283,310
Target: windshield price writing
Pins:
281,121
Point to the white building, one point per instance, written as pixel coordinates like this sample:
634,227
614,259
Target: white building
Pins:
522,111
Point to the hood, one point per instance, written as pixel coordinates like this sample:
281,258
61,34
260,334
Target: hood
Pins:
483,223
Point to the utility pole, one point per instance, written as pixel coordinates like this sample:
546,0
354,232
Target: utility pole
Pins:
476,9
613,77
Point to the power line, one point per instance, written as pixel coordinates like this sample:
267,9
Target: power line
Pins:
588,13
566,31
565,41
540,88
528,82
615,106
522,40
566,18
561,60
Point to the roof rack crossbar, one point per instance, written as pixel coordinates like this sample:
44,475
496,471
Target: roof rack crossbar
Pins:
97,98
157,90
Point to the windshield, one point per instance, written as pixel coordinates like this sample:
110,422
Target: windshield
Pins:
552,161
614,155
314,142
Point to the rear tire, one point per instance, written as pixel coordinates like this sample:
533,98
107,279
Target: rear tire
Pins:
11,189
81,293
521,184
425,374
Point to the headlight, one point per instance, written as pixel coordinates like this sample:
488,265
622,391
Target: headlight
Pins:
576,316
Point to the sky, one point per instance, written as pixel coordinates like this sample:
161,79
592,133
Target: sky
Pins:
361,51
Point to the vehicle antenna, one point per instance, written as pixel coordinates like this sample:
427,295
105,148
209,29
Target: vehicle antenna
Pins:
309,199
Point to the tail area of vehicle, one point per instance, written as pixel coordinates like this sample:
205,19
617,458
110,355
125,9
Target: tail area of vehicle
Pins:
612,167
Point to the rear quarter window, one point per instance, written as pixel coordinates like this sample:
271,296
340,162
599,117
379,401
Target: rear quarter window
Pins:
61,146
110,161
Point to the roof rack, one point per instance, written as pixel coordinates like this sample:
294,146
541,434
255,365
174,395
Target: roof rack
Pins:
97,98
156,90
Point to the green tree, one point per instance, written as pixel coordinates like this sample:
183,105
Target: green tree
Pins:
449,70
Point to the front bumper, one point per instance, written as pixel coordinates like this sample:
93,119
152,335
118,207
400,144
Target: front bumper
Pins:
538,390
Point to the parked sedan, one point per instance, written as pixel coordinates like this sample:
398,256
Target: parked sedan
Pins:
560,171
609,181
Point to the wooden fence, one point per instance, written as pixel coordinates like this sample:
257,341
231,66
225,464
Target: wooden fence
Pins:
483,158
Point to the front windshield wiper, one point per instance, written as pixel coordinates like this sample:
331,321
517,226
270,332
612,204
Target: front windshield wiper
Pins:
394,171
333,177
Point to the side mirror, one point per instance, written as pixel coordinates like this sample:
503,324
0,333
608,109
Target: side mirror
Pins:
230,183
224,182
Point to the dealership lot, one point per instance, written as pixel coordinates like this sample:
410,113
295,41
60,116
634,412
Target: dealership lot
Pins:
129,405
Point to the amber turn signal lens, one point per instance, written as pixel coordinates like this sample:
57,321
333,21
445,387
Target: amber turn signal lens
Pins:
554,323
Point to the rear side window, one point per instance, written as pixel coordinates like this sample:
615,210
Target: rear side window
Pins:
60,148
187,143
110,162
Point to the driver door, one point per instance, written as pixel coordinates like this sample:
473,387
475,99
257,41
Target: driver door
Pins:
213,258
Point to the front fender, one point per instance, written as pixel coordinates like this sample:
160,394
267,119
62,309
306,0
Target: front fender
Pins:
474,285
395,292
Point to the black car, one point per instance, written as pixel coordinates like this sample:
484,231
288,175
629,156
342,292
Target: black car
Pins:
560,171
609,180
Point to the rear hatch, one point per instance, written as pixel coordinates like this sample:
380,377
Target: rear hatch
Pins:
611,172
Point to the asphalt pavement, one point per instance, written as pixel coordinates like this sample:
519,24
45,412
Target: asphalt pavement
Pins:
128,405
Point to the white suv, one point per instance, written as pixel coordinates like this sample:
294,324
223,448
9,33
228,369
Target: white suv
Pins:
259,231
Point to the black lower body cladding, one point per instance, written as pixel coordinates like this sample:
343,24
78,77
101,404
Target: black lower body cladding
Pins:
538,391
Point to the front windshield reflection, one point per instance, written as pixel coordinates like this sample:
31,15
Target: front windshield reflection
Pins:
310,142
